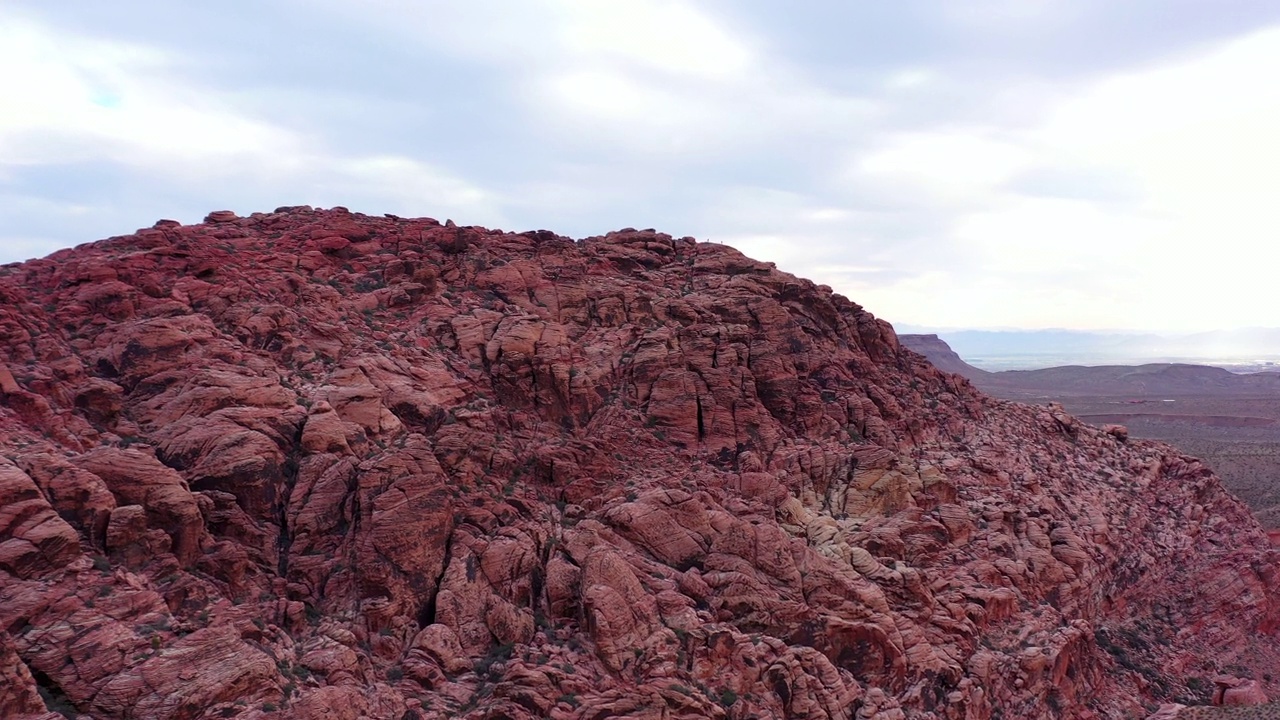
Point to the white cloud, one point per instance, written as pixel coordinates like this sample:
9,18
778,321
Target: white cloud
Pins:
931,191
953,166
667,35
910,79
661,80
1194,248
1057,237
1010,15
87,101
827,214
1200,134
615,106
402,186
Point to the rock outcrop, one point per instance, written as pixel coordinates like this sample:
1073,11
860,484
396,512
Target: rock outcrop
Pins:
942,356
1269,711
316,464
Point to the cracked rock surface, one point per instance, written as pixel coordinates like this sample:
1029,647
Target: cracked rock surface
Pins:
316,464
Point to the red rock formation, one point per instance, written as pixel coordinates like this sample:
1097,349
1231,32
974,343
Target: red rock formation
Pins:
317,464
1237,691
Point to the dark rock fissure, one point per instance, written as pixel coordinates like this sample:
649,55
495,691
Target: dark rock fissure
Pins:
55,699
289,480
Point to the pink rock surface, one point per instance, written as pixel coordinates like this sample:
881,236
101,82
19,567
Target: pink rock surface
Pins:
316,464
1238,691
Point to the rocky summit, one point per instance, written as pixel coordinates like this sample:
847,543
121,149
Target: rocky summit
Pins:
315,464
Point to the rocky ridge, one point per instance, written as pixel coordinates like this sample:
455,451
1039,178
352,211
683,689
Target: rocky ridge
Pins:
942,356
317,464
1230,420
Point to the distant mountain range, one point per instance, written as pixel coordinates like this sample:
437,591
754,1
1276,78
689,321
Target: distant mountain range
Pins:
1254,348
1143,380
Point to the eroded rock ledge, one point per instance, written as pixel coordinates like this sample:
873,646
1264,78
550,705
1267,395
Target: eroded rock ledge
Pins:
317,464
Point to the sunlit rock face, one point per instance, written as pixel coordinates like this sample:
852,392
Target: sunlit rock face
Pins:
321,465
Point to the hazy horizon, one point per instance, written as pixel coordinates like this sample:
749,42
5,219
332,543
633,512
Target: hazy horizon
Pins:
933,329
1241,350
997,164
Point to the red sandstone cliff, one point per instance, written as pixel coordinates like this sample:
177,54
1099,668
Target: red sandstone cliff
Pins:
321,465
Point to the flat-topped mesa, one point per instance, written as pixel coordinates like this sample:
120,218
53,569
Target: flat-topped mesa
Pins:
941,355
334,465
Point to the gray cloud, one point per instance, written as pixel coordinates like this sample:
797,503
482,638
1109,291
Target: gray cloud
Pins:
832,137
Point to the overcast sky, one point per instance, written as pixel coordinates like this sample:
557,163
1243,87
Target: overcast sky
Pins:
984,163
